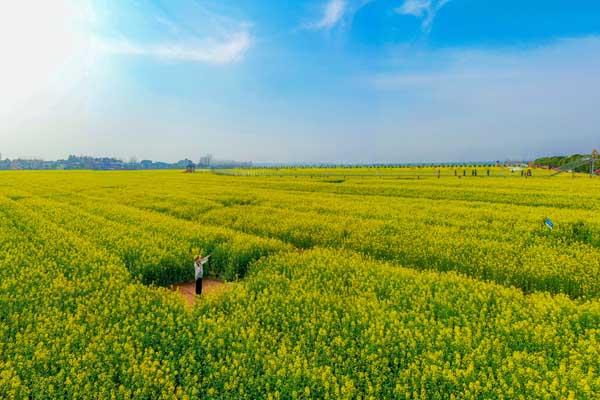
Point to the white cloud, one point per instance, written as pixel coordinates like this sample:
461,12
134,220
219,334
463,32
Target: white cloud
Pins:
416,8
209,51
333,12
185,32
424,9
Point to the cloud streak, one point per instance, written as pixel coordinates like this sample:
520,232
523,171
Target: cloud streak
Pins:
424,9
333,12
209,51
188,32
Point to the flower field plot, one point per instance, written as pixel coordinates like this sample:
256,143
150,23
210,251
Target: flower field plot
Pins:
355,287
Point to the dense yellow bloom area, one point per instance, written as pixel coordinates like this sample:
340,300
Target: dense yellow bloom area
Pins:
335,302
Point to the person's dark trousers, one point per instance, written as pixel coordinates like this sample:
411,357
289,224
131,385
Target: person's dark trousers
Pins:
199,286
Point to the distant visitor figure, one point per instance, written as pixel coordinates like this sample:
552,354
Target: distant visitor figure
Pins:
199,269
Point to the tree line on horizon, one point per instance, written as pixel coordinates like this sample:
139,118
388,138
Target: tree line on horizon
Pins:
74,162
559,161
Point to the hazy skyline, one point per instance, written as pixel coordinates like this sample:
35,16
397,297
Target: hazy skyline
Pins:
310,81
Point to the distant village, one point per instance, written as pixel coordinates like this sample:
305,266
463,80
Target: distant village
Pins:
109,163
575,162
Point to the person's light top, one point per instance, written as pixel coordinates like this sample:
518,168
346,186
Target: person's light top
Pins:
199,267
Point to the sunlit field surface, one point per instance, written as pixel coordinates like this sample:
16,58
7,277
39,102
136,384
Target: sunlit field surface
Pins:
349,283
414,172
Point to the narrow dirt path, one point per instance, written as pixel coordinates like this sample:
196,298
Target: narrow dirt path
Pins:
187,290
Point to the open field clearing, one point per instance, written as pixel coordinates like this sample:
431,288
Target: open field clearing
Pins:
209,287
348,286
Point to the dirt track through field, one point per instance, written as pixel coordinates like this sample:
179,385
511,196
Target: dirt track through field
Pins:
188,289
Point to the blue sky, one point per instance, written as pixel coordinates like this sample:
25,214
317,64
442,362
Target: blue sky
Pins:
317,80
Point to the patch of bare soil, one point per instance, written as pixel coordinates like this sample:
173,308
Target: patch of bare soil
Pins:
187,290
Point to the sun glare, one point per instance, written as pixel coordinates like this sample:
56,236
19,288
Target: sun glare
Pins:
41,42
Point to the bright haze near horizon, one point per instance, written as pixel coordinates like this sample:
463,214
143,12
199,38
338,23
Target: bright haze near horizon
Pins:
305,81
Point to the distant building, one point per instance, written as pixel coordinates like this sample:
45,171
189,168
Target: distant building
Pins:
205,162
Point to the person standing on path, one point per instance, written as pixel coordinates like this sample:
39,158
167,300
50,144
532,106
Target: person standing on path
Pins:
199,272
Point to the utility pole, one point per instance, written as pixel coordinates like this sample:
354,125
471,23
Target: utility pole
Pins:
593,162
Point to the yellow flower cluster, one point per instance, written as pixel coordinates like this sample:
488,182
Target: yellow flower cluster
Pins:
490,229
335,303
